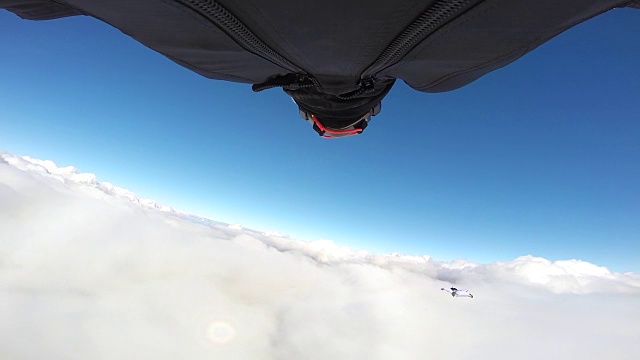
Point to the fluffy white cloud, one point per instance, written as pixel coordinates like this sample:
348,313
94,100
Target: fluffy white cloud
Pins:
88,270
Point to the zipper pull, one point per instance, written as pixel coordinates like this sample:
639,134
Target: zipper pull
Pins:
289,82
366,86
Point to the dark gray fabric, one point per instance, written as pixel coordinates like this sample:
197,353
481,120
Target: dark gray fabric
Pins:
334,41
38,9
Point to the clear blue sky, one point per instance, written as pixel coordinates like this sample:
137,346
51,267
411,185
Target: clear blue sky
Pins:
541,157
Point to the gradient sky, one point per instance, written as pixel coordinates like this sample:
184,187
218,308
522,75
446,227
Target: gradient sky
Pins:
539,158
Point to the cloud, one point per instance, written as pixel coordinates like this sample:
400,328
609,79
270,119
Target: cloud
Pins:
88,270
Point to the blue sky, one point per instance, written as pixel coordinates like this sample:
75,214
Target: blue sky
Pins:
540,157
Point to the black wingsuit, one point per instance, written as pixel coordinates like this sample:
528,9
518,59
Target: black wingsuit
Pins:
336,58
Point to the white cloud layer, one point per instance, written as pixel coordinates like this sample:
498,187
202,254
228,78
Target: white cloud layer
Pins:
90,271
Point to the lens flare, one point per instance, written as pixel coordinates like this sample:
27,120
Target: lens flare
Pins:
221,332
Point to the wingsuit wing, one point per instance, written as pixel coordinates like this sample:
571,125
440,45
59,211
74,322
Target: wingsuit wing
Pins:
436,45
38,9
177,29
464,293
490,35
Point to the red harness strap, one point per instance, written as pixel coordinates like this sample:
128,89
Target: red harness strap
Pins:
334,132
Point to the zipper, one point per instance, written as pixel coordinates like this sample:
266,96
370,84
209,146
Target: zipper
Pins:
435,16
227,22
429,21
441,12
